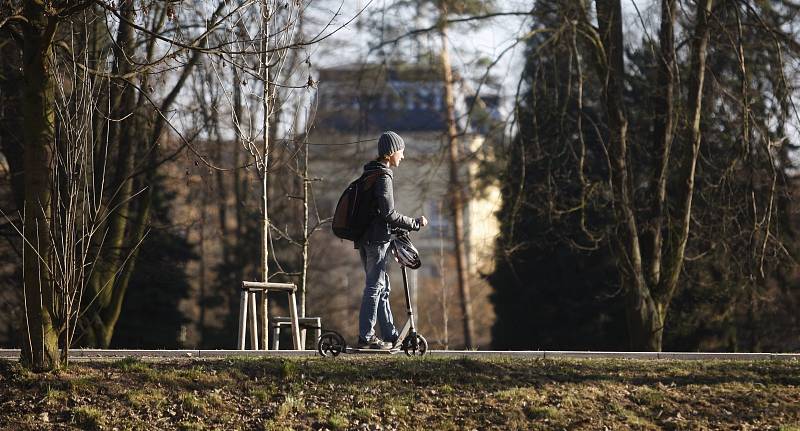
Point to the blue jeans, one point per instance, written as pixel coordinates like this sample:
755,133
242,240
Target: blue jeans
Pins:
375,302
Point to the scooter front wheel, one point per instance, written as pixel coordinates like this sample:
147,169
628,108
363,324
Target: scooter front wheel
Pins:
415,345
331,344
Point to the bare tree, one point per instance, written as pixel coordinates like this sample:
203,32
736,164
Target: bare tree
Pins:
109,184
456,190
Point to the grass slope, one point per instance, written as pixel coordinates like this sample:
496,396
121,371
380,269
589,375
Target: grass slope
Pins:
404,393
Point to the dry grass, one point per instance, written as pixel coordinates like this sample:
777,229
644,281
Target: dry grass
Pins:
404,393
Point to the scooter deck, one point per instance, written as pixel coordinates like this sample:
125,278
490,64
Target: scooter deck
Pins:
391,351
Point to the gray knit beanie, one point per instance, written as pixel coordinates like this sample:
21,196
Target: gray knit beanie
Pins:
389,142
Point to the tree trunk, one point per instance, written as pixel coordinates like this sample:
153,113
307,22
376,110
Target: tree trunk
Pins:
644,318
687,174
135,225
644,322
663,125
649,294
456,192
120,134
40,351
266,13
126,228
304,269
239,186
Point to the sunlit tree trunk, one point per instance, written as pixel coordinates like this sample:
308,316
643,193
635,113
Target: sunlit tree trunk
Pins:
456,191
266,14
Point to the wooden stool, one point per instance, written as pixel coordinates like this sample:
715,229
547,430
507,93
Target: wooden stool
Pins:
247,308
313,323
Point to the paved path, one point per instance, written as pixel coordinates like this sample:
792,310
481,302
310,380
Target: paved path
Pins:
88,354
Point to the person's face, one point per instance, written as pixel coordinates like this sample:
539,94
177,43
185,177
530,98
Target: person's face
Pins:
394,159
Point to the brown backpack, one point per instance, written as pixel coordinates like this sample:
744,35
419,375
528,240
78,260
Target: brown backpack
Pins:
356,207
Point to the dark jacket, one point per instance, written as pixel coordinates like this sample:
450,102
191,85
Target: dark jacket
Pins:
379,231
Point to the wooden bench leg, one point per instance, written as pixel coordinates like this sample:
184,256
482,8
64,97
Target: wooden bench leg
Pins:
276,334
262,309
295,324
242,319
253,321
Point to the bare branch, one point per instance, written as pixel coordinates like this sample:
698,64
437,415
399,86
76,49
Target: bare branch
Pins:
448,22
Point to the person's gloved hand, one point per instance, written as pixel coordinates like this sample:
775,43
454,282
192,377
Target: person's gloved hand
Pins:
398,231
422,221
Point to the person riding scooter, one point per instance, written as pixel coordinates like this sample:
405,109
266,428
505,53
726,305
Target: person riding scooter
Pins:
331,343
373,247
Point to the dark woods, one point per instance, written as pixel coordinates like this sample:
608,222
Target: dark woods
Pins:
594,226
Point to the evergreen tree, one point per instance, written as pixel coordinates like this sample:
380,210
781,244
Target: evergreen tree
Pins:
555,280
558,230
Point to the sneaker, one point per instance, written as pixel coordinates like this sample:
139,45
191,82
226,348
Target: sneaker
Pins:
373,343
394,342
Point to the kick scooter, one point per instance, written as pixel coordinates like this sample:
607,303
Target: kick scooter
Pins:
331,343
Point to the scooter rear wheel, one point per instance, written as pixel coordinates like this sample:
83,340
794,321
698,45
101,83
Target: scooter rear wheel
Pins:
415,345
331,344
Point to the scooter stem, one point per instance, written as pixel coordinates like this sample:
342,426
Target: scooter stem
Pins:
408,298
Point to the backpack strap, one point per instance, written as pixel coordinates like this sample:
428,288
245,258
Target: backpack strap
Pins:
372,176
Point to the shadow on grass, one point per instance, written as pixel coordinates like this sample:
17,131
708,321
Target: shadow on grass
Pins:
488,374
506,373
